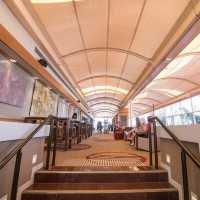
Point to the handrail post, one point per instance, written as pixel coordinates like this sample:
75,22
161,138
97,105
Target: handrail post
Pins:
49,142
55,129
16,175
184,175
150,144
155,143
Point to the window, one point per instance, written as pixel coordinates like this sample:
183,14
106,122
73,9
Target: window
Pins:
197,117
186,106
196,103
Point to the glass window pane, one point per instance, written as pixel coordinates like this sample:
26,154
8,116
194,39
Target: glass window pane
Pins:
187,119
169,121
197,117
176,108
168,111
196,103
185,106
177,120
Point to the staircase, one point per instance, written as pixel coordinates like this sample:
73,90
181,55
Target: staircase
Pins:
100,184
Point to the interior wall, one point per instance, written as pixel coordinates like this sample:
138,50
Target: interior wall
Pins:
171,157
34,149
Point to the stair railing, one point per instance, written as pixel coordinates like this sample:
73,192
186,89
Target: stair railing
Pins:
185,151
17,151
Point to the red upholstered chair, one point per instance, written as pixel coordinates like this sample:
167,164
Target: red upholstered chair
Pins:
118,134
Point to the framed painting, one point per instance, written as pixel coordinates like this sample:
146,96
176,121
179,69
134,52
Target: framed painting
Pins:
44,101
12,83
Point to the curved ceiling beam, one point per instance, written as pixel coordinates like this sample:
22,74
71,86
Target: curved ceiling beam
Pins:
104,107
100,103
104,98
142,104
112,91
137,109
147,98
158,92
107,76
103,110
103,94
108,49
177,78
103,102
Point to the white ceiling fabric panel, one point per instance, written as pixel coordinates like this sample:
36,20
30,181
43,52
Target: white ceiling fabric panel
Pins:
103,106
78,66
112,81
157,20
125,85
160,96
86,84
115,62
62,26
99,81
106,45
123,20
97,60
93,21
133,68
174,87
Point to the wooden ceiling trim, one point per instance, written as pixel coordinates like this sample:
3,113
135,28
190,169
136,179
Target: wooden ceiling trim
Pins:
104,98
100,103
75,53
105,75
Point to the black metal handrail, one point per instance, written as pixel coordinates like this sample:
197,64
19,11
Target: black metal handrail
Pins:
17,151
184,152
8,157
52,140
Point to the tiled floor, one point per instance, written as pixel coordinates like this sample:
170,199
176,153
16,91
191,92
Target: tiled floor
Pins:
102,150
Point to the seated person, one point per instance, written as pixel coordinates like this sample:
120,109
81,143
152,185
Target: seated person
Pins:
130,135
142,129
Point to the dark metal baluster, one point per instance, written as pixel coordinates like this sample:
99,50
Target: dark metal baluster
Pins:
155,144
54,142
16,175
184,175
49,143
150,148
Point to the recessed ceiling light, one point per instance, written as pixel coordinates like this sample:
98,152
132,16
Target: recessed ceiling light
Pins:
12,60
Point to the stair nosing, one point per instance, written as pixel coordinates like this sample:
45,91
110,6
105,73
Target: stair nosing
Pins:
98,172
111,191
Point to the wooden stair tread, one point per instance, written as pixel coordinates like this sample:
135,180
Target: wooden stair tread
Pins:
101,168
102,186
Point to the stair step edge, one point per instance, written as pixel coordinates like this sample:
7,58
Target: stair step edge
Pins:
121,191
99,172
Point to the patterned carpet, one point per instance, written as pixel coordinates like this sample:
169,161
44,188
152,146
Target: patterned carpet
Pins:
102,151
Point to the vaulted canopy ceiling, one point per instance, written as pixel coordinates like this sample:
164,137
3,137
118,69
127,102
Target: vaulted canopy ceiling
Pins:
106,45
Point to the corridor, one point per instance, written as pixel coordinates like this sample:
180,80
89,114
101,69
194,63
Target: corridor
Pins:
102,150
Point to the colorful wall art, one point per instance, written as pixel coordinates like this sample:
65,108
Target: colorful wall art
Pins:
12,83
44,101
63,108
